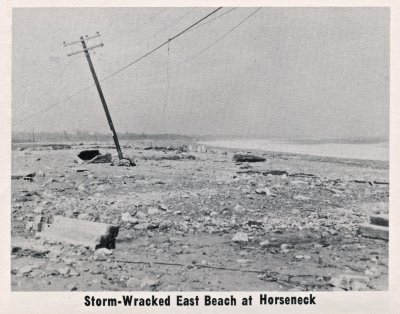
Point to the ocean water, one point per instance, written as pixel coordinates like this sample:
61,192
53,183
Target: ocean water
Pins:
376,151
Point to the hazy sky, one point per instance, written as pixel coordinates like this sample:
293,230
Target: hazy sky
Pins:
313,72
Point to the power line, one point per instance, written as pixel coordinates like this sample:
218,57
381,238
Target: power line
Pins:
148,21
63,71
123,68
56,104
163,29
158,47
213,19
207,47
52,86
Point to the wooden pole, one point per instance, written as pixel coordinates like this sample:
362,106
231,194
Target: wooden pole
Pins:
103,101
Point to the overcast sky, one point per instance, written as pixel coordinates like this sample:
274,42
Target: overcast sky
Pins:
311,72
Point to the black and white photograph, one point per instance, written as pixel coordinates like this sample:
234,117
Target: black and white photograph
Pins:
161,149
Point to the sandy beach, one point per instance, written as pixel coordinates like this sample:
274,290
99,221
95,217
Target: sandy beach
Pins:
201,222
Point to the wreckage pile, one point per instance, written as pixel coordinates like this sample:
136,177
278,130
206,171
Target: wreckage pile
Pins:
93,156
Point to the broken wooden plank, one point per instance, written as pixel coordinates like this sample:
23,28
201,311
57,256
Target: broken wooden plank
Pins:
275,172
373,231
379,220
248,158
248,172
80,232
370,182
100,159
23,176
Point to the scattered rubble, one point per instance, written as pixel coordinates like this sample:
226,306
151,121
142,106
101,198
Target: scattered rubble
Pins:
125,162
240,237
175,156
290,226
350,282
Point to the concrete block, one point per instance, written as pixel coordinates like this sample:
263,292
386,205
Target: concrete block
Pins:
373,231
80,232
379,220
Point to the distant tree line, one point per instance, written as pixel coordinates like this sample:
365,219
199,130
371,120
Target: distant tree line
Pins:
82,136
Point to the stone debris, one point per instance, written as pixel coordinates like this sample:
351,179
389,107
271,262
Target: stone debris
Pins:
265,191
200,212
149,283
125,162
103,251
350,282
127,218
240,237
301,198
71,287
265,243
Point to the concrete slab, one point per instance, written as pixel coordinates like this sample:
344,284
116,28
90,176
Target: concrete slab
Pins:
80,232
373,231
379,220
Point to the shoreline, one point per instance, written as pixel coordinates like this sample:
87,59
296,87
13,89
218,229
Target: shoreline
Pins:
299,149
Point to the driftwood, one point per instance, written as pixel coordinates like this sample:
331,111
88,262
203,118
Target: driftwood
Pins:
275,172
247,158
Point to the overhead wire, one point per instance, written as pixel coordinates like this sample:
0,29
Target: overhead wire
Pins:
54,84
205,48
153,17
211,20
191,27
158,47
123,68
59,77
167,93
163,29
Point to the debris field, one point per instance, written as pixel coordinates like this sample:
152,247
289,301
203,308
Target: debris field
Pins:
211,219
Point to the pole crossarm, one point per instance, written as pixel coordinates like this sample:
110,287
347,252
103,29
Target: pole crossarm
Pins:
79,41
83,50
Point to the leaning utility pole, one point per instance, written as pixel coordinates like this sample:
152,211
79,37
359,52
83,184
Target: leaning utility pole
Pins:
96,81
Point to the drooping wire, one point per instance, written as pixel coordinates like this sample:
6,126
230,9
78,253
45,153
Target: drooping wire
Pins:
147,21
121,69
55,83
211,20
163,29
50,89
205,48
158,47
167,91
